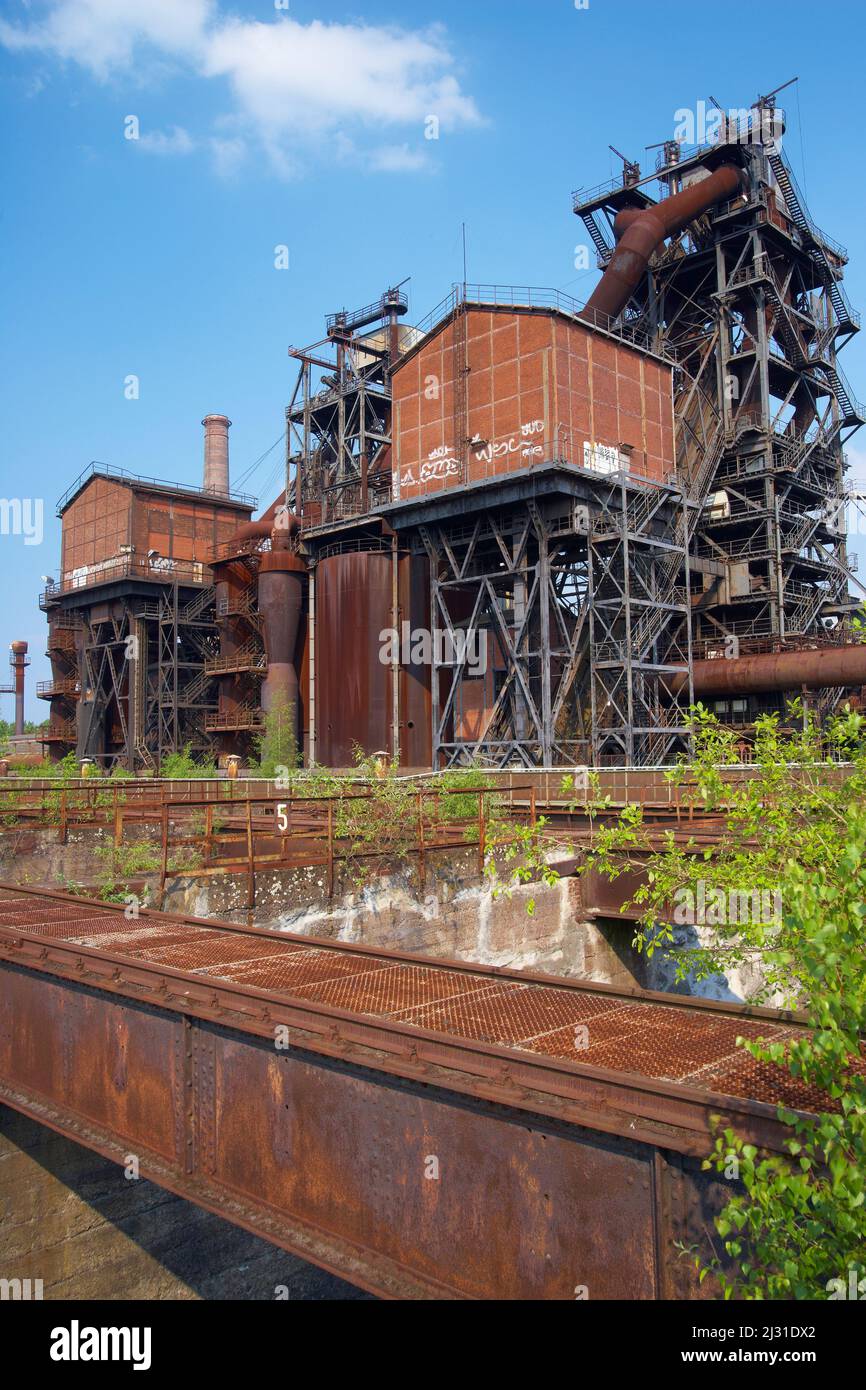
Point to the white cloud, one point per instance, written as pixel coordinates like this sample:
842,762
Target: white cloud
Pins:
312,77
228,153
293,84
398,159
103,35
174,141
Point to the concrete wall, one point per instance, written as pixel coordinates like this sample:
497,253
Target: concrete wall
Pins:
72,1219
454,917
458,920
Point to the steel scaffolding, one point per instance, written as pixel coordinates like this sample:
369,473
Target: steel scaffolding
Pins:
750,301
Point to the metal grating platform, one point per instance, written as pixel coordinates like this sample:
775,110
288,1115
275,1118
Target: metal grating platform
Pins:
693,1044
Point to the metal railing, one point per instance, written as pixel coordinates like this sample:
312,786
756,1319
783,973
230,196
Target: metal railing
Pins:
249,717
46,690
531,297
391,301
249,657
157,569
58,732
110,470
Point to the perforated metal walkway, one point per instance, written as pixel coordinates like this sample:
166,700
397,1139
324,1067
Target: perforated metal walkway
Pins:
691,1043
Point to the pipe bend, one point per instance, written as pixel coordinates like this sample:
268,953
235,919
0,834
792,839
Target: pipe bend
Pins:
640,232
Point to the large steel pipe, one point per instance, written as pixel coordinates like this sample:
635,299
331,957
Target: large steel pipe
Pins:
277,515
280,592
777,671
645,230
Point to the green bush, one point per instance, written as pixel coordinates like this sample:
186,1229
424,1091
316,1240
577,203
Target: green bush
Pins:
795,835
277,746
183,766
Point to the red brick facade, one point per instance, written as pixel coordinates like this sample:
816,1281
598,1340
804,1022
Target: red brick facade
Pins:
539,386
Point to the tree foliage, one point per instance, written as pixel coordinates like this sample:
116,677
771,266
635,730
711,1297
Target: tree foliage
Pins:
796,831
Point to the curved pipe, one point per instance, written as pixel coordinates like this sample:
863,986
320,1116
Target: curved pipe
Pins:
642,231
777,671
260,530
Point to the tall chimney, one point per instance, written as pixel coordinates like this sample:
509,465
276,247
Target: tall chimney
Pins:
216,453
18,660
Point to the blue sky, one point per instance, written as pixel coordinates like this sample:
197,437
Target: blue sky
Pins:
304,126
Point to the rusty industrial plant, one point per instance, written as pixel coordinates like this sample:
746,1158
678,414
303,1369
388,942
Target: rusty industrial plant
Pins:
514,543
580,494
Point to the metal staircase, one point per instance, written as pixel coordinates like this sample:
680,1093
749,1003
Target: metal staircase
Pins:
816,241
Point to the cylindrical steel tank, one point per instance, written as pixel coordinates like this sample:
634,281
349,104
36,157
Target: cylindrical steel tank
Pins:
280,595
353,683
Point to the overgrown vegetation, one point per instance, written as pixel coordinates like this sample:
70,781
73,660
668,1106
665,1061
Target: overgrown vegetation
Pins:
119,864
516,854
780,899
798,1228
376,811
182,766
277,745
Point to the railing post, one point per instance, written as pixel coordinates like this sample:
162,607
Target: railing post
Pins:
251,871
481,834
62,831
330,850
163,871
422,867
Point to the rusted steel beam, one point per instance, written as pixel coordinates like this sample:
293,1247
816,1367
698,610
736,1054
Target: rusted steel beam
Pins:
419,1162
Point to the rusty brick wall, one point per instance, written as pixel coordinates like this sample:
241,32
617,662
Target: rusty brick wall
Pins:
96,524
184,529
538,386
108,514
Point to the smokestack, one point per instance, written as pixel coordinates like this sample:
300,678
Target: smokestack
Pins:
19,660
216,453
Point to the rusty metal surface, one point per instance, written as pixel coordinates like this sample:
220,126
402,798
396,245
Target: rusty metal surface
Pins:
683,1042
813,668
556,1168
330,1162
353,686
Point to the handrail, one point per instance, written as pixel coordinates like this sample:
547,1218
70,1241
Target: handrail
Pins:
111,470
161,569
532,297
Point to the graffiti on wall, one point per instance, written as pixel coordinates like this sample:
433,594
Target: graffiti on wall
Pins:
441,464
522,442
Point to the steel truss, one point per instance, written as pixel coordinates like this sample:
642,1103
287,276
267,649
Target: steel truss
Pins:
140,668
588,629
338,431
749,299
